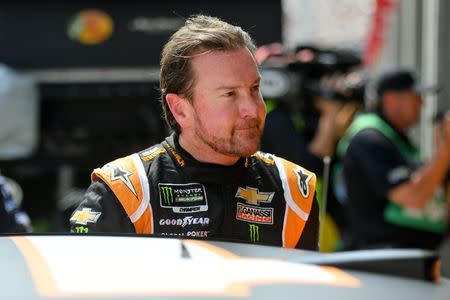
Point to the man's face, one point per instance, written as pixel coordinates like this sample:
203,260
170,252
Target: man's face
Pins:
411,103
228,111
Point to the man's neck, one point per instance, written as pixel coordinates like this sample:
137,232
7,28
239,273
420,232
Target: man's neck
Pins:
203,152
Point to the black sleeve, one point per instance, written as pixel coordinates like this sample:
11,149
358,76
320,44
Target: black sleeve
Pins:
377,160
282,139
7,223
100,211
12,219
310,236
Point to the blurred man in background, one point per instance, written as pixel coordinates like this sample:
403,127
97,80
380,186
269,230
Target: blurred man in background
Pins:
394,199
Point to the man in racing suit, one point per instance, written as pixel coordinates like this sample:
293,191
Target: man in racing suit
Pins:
206,181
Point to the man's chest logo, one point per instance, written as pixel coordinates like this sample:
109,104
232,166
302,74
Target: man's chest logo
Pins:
254,196
183,198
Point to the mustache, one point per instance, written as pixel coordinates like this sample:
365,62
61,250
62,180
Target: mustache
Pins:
248,124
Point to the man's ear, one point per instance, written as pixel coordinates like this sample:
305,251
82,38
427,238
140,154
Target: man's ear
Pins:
179,106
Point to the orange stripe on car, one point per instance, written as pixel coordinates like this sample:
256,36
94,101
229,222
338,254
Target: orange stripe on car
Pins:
217,250
342,278
39,269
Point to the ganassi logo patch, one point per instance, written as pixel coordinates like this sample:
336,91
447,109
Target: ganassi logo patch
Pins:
253,214
303,181
183,198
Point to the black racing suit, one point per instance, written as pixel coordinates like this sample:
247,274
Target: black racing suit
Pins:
164,191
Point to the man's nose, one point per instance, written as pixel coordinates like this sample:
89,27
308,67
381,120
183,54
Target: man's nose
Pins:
249,106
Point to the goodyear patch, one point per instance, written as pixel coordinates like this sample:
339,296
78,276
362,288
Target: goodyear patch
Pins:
183,198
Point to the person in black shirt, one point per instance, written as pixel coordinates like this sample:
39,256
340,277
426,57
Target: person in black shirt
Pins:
394,199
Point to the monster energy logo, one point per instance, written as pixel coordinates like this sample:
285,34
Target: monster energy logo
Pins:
167,194
254,232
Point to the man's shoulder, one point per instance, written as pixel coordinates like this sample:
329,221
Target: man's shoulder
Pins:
370,137
279,163
264,158
137,162
151,153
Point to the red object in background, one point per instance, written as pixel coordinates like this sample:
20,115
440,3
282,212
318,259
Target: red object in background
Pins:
375,37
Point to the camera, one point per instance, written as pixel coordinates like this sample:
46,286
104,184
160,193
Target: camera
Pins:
309,72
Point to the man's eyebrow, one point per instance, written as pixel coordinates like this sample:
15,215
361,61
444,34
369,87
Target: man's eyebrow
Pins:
230,87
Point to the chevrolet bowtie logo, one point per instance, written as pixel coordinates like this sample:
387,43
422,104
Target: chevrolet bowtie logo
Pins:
254,196
84,216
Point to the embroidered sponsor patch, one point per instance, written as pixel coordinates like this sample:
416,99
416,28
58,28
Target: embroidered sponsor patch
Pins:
81,229
152,152
183,198
247,213
177,156
85,216
254,196
303,181
183,222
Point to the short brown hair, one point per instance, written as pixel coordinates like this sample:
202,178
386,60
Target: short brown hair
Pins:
199,33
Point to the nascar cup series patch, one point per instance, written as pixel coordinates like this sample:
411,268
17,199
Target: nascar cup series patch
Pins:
183,198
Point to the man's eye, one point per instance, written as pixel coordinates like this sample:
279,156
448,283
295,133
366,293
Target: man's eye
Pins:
255,88
229,94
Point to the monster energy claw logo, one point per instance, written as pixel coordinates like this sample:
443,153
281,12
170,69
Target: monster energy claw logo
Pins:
254,232
167,194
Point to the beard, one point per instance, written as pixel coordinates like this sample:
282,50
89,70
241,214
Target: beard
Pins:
242,141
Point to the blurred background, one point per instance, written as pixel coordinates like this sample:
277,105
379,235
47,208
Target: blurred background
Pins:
79,78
